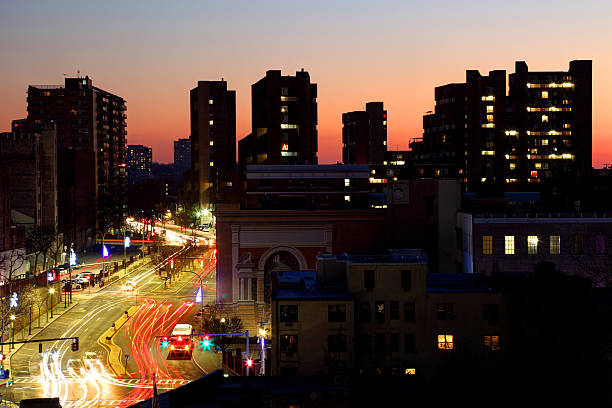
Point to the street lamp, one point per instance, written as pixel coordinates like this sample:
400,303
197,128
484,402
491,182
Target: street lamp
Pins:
13,330
51,292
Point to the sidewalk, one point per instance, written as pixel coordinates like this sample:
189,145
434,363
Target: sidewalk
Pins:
58,311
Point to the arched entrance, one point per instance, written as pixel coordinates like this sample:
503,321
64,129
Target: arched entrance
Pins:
278,259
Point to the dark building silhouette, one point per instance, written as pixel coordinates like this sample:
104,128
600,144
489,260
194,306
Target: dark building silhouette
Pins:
182,158
213,139
92,122
552,123
461,135
32,158
284,121
139,159
537,137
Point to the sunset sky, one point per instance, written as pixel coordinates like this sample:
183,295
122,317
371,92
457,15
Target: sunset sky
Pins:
153,52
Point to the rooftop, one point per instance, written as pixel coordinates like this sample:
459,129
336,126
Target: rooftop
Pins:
456,283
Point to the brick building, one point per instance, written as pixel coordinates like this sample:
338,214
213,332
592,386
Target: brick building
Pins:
577,244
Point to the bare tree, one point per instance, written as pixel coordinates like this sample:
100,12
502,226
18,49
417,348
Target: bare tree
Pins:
215,321
40,240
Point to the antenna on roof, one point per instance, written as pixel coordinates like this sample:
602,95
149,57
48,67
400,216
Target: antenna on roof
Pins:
78,73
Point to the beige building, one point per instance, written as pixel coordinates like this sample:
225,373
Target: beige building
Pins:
397,319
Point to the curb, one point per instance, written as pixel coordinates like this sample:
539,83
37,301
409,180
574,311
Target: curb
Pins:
113,355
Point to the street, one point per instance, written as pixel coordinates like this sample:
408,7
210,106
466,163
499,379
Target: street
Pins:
80,378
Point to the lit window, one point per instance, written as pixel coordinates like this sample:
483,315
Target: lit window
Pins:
347,182
534,174
491,343
512,166
384,142
544,142
532,244
212,164
489,108
384,123
544,94
538,165
284,109
211,143
509,244
555,244
445,341
347,198
483,179
487,245
544,118
567,125
289,154
288,126
410,371
285,146
490,118
210,101
210,122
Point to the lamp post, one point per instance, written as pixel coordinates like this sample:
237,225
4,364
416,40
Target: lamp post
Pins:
13,331
51,292
71,263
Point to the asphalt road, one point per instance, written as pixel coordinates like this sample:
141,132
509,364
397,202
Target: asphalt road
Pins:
92,315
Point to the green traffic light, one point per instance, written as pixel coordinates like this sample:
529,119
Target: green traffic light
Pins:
164,344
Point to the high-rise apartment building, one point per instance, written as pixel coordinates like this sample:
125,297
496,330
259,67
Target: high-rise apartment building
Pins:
538,136
213,139
364,135
461,135
284,121
138,164
552,123
32,158
91,131
182,158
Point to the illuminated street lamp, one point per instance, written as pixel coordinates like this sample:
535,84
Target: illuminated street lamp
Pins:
51,292
13,330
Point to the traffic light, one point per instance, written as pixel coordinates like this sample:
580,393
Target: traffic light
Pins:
172,263
249,363
75,344
2,356
206,342
201,262
164,342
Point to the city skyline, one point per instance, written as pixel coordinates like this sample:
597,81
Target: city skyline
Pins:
351,60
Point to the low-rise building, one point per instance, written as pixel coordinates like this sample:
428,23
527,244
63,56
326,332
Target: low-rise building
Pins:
403,320
577,243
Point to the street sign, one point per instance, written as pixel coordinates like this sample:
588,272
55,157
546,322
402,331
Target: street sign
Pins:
50,276
14,299
198,298
126,242
72,257
104,251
